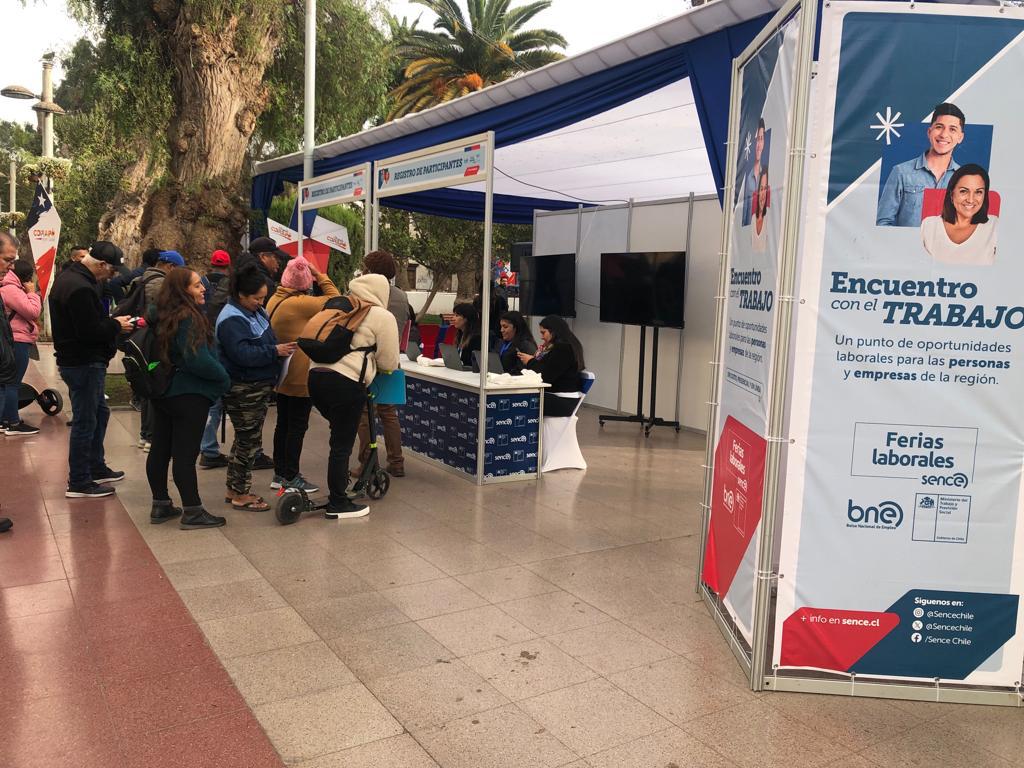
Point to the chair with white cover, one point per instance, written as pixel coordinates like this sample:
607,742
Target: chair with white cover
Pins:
561,447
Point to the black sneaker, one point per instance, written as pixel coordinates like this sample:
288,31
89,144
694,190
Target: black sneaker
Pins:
107,475
213,462
162,511
195,519
90,491
263,462
5,524
345,509
21,429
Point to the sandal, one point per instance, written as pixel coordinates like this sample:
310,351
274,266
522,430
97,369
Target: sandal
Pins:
254,504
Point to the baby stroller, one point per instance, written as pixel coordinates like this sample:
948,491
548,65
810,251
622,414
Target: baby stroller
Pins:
373,481
49,400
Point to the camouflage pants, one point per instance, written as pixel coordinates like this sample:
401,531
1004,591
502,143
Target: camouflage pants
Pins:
246,405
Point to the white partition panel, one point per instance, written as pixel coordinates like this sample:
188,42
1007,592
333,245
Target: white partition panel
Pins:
655,226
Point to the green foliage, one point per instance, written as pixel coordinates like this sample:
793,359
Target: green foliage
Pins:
22,142
467,53
353,70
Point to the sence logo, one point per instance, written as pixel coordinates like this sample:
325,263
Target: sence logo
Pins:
887,514
956,480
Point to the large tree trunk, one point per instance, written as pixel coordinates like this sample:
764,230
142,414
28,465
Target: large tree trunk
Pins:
469,276
200,204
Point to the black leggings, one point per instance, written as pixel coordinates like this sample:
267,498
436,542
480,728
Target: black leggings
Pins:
289,433
178,424
341,401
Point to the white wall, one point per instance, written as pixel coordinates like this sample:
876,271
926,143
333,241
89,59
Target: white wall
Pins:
657,226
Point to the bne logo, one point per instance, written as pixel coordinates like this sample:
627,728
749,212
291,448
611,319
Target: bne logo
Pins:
888,514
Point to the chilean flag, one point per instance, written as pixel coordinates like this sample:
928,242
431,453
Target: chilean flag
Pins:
43,235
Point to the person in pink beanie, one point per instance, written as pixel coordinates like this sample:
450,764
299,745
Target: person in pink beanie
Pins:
290,308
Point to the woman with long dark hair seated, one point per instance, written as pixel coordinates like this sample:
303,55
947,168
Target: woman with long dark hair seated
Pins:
467,321
184,340
559,361
514,337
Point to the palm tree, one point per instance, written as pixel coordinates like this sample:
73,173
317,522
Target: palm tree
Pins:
460,56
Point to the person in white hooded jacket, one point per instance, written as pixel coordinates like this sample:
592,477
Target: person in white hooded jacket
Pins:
339,393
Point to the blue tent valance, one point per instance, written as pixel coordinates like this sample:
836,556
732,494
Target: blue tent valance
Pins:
707,61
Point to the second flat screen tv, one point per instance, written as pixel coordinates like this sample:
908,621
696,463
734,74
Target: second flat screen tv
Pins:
643,288
547,285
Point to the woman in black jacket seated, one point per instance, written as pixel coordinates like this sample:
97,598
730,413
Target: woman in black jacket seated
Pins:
515,337
467,321
559,362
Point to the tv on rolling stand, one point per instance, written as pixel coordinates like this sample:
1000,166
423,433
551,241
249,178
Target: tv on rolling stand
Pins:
645,288
547,285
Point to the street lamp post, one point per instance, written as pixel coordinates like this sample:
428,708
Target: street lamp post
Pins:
46,108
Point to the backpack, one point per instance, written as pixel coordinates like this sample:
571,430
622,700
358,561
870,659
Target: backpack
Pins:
217,297
328,335
147,375
134,302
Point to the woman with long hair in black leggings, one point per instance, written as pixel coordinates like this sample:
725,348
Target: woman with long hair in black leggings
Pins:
184,339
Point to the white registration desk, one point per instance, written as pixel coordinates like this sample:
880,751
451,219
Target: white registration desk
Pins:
441,423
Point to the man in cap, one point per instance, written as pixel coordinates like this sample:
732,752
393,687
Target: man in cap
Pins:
84,342
210,456
271,261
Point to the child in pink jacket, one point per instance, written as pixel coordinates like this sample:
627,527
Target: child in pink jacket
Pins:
22,306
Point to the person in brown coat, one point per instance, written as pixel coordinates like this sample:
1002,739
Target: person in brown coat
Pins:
383,263
290,308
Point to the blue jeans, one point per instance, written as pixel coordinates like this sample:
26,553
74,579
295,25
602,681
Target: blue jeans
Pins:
10,391
89,427
210,446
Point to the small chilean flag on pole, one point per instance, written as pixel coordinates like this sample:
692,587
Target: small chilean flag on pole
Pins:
43,235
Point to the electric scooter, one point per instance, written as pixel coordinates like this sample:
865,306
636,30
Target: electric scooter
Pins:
373,482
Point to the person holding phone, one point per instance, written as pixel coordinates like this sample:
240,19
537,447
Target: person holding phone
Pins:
251,354
559,361
514,337
22,305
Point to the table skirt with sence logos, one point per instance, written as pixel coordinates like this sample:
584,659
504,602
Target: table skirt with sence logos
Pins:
441,418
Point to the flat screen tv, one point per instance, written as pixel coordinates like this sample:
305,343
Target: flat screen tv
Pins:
643,288
547,285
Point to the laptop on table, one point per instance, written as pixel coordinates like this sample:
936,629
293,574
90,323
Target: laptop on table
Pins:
450,355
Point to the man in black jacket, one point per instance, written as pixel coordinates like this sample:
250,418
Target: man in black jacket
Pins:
84,342
8,255
271,261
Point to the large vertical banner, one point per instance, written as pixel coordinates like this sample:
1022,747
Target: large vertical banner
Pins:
902,544
755,236
43,226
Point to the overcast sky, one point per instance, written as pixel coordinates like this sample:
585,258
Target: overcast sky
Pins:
45,25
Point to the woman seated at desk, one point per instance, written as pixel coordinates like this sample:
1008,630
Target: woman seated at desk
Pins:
466,320
559,362
515,338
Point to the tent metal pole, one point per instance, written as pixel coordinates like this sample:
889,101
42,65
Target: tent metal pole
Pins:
622,330
686,283
783,322
374,223
485,306
368,211
309,102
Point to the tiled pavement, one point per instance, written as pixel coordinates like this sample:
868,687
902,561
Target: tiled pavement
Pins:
533,624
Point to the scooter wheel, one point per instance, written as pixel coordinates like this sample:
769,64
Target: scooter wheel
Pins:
378,485
289,507
51,401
